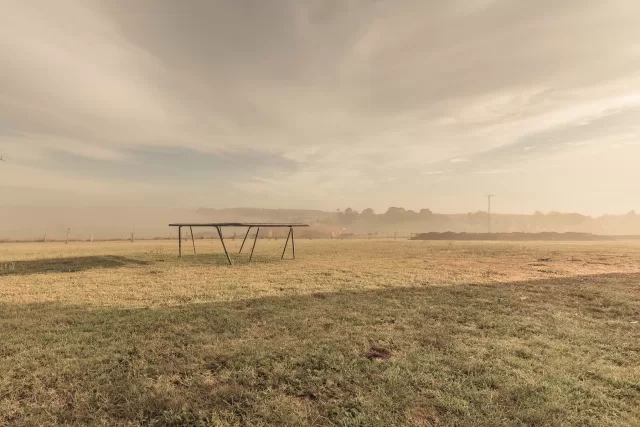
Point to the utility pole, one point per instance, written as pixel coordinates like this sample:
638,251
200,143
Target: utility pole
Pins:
489,196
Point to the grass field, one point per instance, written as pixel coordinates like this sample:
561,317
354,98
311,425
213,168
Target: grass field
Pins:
363,332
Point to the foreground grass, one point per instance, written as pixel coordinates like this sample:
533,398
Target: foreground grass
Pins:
352,333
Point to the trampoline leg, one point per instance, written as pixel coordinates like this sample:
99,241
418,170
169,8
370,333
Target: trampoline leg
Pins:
293,244
245,239
193,241
254,244
180,242
223,246
285,245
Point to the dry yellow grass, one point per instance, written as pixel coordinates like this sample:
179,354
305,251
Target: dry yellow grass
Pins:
149,274
469,334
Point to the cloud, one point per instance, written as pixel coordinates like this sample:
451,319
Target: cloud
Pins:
287,96
438,172
497,171
166,165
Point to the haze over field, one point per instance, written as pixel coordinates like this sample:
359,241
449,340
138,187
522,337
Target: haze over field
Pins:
321,104
462,178
25,223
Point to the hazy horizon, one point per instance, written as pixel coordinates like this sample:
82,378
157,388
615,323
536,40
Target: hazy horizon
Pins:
29,223
321,105
150,208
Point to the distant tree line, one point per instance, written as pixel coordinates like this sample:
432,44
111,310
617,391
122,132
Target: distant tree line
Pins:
397,218
32,223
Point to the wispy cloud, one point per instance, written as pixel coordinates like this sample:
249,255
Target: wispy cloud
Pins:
498,171
287,96
438,172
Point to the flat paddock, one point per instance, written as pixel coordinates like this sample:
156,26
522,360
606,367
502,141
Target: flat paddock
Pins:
353,332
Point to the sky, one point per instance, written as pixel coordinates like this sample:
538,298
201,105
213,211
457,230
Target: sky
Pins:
321,104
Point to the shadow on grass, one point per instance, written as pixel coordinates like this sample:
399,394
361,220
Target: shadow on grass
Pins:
220,259
547,352
65,265
75,264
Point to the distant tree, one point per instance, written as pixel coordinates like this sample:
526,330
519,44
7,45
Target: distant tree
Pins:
395,215
368,212
393,211
425,212
350,216
350,212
